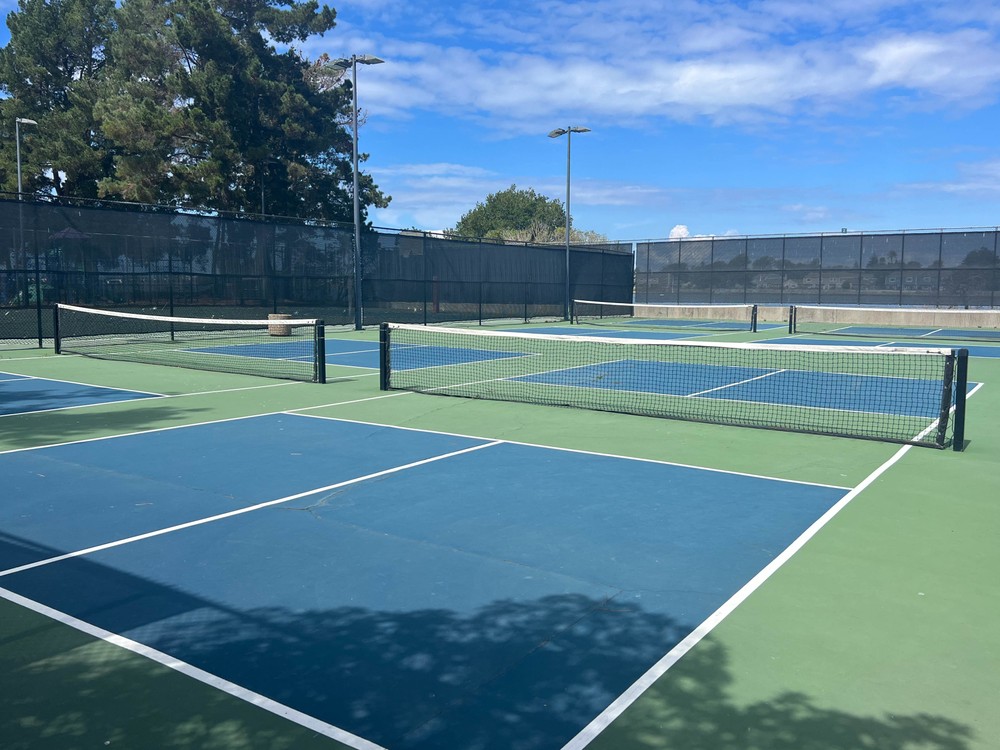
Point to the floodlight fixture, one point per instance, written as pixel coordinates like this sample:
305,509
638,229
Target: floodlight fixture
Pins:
18,122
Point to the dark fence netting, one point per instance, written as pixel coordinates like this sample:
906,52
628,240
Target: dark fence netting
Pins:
155,259
919,269
426,279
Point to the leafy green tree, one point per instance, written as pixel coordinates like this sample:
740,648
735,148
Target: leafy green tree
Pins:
525,213
56,52
187,102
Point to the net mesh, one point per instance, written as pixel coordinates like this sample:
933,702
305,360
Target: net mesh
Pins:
897,395
278,348
896,322
693,316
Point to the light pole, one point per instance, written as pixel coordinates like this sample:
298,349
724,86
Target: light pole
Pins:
344,63
18,122
568,132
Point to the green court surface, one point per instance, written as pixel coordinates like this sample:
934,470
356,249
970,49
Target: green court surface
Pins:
879,632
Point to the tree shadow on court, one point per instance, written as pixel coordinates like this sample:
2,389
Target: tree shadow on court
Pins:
512,675
45,428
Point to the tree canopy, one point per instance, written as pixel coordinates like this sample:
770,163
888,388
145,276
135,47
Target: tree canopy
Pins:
520,215
181,102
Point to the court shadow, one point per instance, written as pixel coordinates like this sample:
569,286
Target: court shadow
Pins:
690,708
512,675
46,428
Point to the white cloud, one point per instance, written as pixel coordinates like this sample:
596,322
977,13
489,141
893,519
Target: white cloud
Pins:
959,66
440,169
516,65
680,231
807,214
973,179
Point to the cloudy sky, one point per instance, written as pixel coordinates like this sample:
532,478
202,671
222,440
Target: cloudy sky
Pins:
707,116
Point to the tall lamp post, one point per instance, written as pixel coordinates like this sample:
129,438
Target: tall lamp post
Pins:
343,64
568,132
18,122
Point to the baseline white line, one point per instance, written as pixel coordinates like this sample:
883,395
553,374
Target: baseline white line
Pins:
256,699
580,451
79,406
232,390
91,385
131,400
738,382
353,401
43,356
200,424
238,511
372,350
298,412
626,699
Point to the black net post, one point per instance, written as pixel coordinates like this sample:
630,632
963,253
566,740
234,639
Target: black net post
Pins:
383,356
947,386
319,351
791,318
753,319
55,328
961,385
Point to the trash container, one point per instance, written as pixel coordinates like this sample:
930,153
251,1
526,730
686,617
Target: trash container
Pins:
279,329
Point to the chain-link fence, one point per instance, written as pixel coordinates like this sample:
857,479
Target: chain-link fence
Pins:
921,268
147,258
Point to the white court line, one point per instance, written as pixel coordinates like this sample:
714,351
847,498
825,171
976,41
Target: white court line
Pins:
129,400
90,385
574,450
238,511
189,670
51,357
626,699
200,424
738,382
233,390
372,350
10,377
256,699
75,406
603,720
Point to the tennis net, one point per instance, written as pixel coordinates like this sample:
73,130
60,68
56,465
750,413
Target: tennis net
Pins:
707,317
282,348
896,322
902,395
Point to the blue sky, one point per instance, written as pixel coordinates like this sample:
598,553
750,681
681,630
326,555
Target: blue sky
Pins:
707,116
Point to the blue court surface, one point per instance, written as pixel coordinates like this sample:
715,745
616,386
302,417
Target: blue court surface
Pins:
402,588
975,351
20,394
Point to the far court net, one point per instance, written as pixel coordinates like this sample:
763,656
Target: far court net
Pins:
710,317
902,395
896,322
282,347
